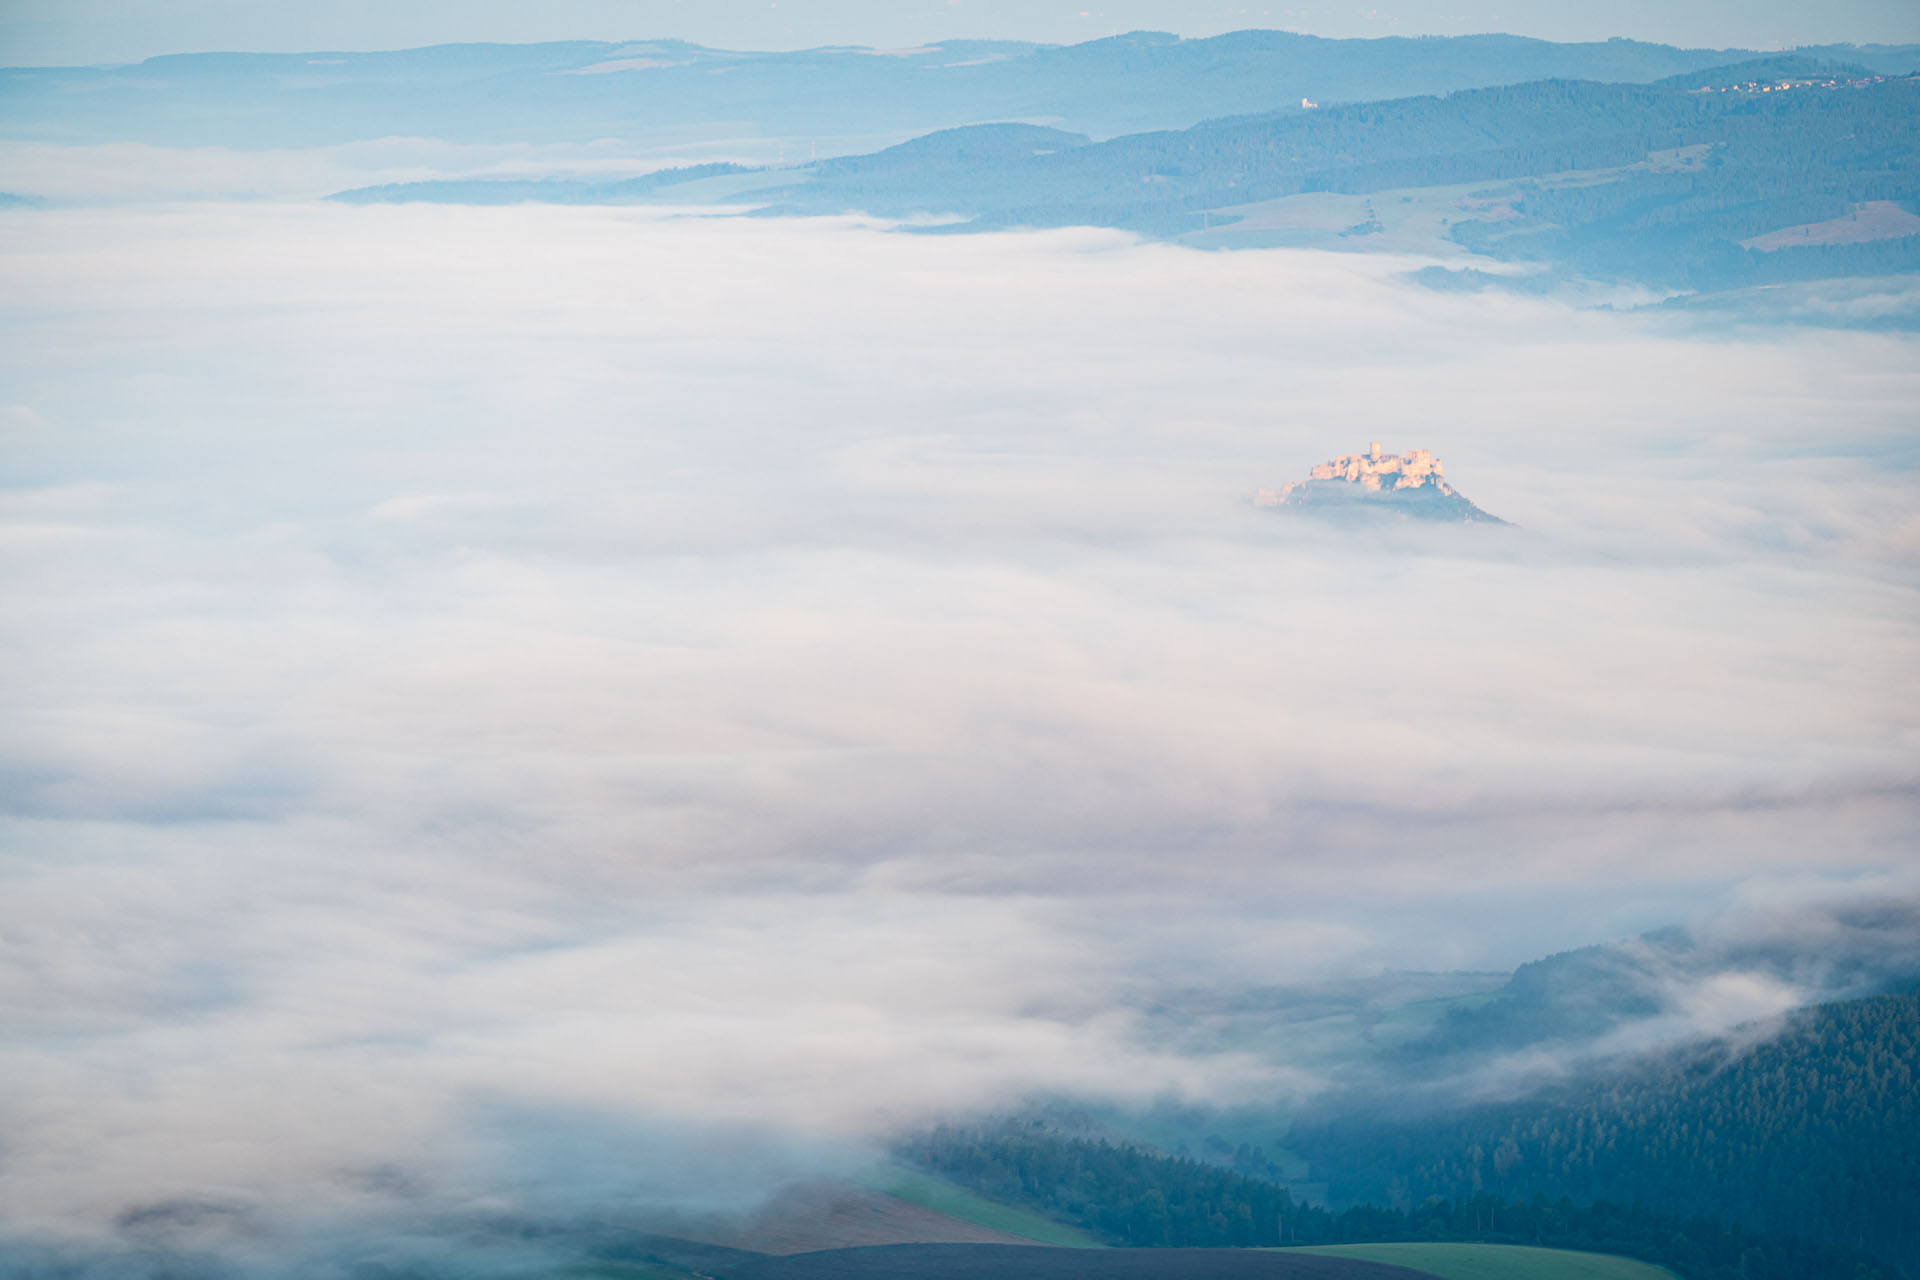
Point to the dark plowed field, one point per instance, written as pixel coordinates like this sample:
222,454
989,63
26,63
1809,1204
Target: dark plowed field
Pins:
1020,1262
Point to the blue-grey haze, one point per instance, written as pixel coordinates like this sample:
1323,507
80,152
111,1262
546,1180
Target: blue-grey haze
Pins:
91,31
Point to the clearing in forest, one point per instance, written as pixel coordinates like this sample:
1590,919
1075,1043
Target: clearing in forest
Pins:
1874,220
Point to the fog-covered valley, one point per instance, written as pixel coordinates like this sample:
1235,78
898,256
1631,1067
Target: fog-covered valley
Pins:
571,715
751,688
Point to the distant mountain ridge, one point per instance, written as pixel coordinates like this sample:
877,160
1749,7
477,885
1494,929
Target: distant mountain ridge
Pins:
649,89
542,191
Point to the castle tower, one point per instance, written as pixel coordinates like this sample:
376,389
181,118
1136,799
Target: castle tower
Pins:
1373,450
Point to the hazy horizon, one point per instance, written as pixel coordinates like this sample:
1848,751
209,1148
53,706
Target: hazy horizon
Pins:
90,32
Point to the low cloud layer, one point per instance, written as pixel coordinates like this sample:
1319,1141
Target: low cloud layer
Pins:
483,677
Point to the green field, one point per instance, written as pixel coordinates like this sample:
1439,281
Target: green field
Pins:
942,1196
611,1271
1499,1261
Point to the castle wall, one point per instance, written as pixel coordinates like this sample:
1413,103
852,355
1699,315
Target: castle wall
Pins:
1371,469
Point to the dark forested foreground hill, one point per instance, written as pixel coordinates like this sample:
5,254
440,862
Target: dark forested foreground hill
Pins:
1794,1156
1812,1134
1138,1198
583,90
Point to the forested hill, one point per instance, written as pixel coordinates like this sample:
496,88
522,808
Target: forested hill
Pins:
1570,1004
1135,1197
1815,1134
1666,183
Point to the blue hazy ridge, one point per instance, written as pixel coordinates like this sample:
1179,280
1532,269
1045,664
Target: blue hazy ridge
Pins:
577,90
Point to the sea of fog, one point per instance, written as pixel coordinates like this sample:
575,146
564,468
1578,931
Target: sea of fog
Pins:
511,706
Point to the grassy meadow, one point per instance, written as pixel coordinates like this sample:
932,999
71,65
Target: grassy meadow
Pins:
942,1196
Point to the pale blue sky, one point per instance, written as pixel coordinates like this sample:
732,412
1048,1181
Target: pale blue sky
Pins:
83,31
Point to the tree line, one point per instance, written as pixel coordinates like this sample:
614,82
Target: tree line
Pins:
1814,1133
1133,1197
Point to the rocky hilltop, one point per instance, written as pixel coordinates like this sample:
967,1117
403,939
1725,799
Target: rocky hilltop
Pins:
1405,484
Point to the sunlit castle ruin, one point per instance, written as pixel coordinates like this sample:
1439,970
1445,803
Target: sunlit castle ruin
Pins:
1407,484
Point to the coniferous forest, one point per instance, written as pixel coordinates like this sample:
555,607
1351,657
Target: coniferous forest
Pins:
1813,1134
1719,1162
1131,1197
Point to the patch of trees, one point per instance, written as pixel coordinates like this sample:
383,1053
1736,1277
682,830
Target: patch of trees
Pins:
1135,1197
1813,1134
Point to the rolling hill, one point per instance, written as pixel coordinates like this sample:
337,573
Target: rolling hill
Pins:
1497,1261
1653,183
1702,189
1813,1133
1007,1262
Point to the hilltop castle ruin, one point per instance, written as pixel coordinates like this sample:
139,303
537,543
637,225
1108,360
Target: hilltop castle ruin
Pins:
1370,470
1413,483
